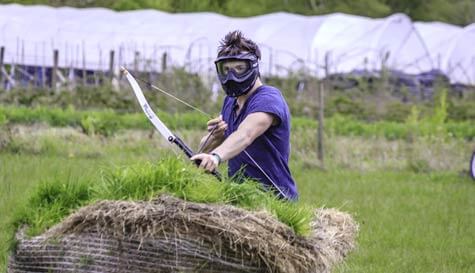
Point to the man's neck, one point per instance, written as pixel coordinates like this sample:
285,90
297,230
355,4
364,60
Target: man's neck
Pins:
242,99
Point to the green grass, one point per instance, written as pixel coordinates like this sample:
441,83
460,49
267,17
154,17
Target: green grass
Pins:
109,122
54,198
19,174
410,220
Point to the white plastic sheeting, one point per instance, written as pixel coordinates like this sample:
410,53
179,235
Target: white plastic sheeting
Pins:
452,49
351,42
289,43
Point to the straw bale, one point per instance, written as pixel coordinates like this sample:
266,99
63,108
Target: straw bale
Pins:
172,235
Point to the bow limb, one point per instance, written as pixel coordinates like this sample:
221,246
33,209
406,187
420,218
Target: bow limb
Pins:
157,123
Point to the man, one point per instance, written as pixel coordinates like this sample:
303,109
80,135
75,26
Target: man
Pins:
253,130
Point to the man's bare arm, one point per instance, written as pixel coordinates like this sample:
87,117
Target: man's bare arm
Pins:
251,127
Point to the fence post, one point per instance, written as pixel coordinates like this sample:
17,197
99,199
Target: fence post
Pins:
321,105
321,108
111,65
84,72
54,76
2,55
136,62
164,62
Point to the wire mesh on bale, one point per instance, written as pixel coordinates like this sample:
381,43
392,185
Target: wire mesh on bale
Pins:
168,234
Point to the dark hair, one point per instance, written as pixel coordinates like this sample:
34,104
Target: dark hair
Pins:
235,43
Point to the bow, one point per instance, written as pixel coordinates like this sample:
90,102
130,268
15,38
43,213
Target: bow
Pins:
157,123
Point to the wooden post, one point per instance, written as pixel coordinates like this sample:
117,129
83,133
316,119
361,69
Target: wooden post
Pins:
323,84
43,67
136,62
54,76
164,62
385,74
2,55
327,67
111,65
120,61
84,74
321,108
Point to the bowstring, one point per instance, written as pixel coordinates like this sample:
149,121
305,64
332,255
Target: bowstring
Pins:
174,97
202,146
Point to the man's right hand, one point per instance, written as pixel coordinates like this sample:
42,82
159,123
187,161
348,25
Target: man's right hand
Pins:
220,125
215,136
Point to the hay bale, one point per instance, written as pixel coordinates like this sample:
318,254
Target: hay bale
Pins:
172,235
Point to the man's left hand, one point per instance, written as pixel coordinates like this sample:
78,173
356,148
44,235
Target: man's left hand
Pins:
208,162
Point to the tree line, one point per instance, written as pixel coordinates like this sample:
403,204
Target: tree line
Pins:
459,12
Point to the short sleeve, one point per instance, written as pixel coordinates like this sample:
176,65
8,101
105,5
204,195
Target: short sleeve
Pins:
226,108
270,101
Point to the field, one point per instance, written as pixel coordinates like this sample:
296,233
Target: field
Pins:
411,195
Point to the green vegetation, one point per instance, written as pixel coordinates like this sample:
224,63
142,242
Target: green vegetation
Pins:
378,101
187,86
457,12
411,220
54,199
103,122
107,122
400,172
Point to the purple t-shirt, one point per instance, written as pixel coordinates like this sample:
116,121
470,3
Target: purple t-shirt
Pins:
271,149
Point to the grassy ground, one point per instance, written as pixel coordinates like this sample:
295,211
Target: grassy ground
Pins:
408,222
415,208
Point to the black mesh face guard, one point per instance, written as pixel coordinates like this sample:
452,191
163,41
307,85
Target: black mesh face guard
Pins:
237,73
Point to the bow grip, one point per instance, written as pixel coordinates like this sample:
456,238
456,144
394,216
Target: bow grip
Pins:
189,153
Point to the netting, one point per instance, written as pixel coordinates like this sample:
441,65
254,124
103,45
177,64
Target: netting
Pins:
171,235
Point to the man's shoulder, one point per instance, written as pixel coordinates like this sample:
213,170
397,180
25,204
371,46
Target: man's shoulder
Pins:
269,89
268,94
269,99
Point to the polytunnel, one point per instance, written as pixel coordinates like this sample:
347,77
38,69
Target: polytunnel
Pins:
290,43
189,39
284,39
451,49
339,43
460,62
30,34
346,43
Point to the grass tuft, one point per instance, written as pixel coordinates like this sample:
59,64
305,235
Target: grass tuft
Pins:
50,202
53,200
